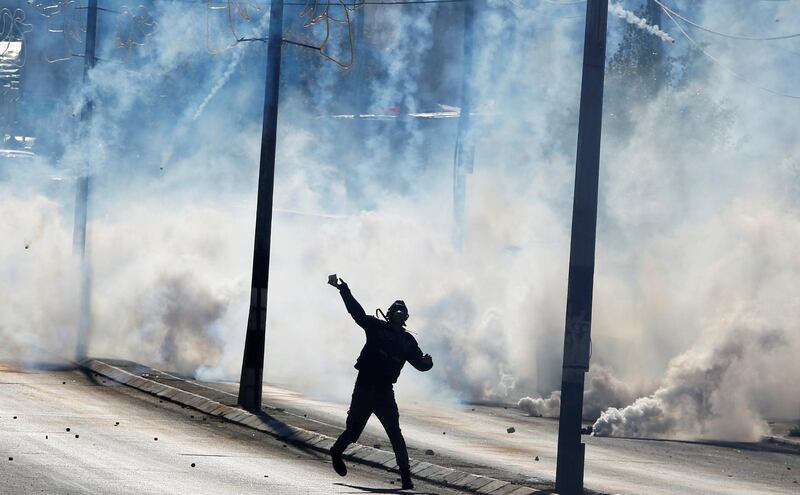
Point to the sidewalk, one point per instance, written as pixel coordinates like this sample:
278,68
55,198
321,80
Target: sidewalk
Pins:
318,432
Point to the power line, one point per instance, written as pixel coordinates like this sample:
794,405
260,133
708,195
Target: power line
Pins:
723,66
672,13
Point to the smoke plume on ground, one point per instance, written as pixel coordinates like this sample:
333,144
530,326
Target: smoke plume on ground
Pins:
602,390
704,395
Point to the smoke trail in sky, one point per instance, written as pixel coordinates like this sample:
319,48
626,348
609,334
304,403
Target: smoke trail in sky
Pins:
640,23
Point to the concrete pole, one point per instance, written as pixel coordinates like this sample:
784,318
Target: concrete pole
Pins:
577,335
464,159
82,192
253,361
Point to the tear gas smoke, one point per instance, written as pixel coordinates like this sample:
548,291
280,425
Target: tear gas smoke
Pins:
638,22
703,395
602,390
697,230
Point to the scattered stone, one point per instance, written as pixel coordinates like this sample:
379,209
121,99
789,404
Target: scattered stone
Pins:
511,429
536,458
788,468
377,445
473,408
77,436
284,446
305,416
116,423
10,458
15,417
63,383
429,452
67,429
45,437
444,433
192,464
155,438
266,476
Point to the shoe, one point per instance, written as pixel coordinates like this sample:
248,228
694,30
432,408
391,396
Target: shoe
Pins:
338,463
407,483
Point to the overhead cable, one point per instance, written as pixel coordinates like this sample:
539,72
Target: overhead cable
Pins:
674,14
724,67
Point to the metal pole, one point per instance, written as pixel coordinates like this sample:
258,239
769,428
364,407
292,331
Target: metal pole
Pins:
253,361
464,159
577,335
360,51
82,193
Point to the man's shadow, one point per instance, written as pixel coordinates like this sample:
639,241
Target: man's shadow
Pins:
368,489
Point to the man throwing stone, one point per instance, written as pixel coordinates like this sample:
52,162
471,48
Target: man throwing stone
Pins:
388,348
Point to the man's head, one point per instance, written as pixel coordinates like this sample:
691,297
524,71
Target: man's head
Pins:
397,313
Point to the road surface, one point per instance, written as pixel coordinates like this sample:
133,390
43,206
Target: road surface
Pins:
62,433
478,435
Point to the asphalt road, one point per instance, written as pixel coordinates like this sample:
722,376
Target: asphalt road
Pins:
478,435
61,433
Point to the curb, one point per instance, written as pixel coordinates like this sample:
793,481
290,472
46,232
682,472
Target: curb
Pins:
359,453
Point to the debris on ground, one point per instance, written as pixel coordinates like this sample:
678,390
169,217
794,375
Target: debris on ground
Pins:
536,458
429,452
377,445
511,429
192,464
77,436
67,429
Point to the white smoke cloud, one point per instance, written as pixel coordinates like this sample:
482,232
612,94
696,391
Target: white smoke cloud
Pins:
543,407
704,395
640,23
697,226
602,390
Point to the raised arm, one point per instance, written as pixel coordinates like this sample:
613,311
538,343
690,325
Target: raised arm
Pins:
353,306
417,360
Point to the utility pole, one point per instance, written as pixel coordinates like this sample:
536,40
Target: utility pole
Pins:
253,361
82,192
464,159
577,334
360,53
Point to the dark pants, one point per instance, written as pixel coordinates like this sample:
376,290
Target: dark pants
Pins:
371,398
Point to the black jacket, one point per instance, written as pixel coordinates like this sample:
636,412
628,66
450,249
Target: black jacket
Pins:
386,350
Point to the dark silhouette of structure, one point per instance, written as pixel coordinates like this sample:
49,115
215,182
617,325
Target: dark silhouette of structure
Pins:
387,349
580,284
